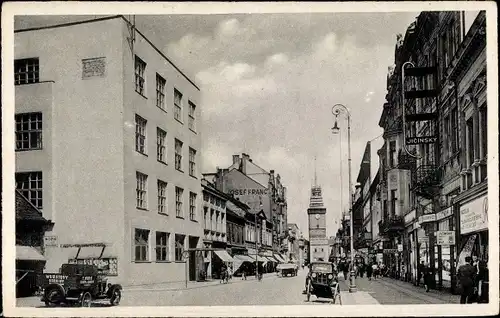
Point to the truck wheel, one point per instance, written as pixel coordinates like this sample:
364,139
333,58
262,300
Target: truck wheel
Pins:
86,300
116,296
53,297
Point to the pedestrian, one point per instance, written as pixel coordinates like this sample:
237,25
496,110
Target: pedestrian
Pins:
428,272
369,272
421,268
482,283
466,277
244,272
375,270
230,272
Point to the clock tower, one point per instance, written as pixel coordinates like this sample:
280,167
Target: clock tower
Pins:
319,249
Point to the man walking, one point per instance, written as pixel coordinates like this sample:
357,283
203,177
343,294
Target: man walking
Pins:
466,278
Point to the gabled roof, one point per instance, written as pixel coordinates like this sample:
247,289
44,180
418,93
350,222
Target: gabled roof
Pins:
26,211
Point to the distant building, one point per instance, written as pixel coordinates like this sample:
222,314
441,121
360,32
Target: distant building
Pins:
319,249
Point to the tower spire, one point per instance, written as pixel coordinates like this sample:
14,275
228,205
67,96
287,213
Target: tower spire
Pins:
315,174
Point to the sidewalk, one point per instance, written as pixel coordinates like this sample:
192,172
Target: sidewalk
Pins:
357,298
439,294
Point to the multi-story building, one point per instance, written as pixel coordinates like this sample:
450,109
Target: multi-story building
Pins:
433,162
214,228
293,242
263,193
107,146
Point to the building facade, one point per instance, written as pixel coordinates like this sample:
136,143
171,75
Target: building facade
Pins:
433,181
109,134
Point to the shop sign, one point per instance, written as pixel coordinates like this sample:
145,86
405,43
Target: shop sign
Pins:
444,214
50,241
248,192
390,251
107,266
427,218
410,216
94,67
474,216
445,237
421,140
400,247
392,179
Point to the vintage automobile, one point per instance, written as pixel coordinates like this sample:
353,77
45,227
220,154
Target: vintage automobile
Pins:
322,281
287,269
78,284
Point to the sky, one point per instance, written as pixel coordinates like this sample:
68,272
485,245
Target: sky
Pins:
268,83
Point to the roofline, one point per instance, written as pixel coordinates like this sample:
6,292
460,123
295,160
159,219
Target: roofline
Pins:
110,18
34,207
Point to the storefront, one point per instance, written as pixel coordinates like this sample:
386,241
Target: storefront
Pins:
474,229
445,248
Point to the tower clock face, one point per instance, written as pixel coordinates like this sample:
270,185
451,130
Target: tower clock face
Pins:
317,216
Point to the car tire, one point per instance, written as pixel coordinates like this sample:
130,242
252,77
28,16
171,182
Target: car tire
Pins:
116,296
53,297
86,300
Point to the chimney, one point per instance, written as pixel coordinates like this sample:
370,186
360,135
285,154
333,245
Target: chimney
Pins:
244,159
236,159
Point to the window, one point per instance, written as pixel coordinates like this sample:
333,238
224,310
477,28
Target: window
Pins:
446,138
483,118
140,134
205,217
178,201
141,190
393,202
192,122
160,91
392,154
140,69
179,247
178,155
26,71
205,197
141,245
192,206
445,50
470,141
162,197
192,162
161,153
28,131
454,130
161,246
177,105
30,186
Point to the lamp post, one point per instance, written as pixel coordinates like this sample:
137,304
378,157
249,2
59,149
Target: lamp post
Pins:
336,110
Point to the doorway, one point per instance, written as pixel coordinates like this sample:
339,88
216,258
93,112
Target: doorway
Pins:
193,259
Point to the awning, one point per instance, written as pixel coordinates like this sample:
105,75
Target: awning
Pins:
252,257
271,259
243,258
279,258
28,253
224,256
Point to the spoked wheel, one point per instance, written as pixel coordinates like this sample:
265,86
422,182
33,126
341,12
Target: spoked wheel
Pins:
308,290
116,296
53,297
86,300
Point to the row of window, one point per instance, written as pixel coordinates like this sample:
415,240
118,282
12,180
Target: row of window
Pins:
213,221
142,197
218,202
142,246
140,87
161,146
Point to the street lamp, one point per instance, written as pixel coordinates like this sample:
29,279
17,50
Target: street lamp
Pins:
336,110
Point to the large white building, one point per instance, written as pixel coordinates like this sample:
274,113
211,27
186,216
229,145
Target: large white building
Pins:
107,146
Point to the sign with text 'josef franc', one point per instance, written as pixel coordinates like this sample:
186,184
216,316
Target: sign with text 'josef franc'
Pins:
445,237
248,191
474,216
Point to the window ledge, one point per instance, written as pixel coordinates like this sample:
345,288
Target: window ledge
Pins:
143,209
193,176
162,162
31,149
179,217
180,262
163,213
141,94
179,121
140,262
194,131
194,220
142,153
163,262
162,109
179,170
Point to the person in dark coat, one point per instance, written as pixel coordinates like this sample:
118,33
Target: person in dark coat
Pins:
421,269
466,278
482,283
369,271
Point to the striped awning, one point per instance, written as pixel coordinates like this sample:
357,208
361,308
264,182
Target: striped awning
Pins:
28,253
279,258
243,258
224,256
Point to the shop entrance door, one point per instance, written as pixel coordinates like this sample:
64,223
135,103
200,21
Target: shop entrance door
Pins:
193,243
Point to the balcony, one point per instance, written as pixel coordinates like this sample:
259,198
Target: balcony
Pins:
392,225
425,179
405,161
